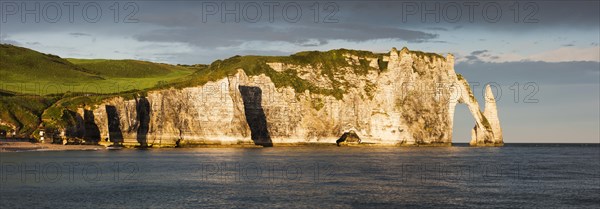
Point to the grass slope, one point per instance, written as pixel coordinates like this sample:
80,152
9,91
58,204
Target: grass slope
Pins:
125,68
26,71
18,64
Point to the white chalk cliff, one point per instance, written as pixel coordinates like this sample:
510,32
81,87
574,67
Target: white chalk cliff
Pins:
404,98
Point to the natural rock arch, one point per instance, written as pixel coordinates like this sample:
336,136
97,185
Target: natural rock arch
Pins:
487,129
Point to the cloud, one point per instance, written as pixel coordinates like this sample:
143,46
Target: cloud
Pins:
437,28
471,58
479,52
562,54
228,35
77,34
475,56
11,42
534,15
548,14
5,39
308,43
456,27
188,25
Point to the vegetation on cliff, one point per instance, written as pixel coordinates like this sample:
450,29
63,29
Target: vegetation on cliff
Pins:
328,62
22,114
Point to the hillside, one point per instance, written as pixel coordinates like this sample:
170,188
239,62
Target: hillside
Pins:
20,64
26,71
125,68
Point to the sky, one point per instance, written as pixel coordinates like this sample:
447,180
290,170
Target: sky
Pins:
542,57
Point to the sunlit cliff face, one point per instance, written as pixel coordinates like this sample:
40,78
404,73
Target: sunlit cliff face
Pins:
401,98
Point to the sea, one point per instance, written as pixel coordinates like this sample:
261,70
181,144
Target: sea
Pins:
513,176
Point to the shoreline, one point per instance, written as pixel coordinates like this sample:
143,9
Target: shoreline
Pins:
18,145
23,145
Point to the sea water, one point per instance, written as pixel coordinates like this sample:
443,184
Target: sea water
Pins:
516,175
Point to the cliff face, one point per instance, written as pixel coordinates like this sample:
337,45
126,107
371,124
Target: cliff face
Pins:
402,98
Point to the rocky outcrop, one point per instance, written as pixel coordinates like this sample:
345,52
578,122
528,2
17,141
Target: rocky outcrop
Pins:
401,98
491,114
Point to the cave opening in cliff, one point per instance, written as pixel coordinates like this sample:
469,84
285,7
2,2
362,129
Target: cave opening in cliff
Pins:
143,117
114,125
349,137
255,115
462,125
92,132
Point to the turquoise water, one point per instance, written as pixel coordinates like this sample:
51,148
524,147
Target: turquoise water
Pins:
544,176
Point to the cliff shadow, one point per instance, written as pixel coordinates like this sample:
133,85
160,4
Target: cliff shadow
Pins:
114,125
92,132
75,130
255,115
143,117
